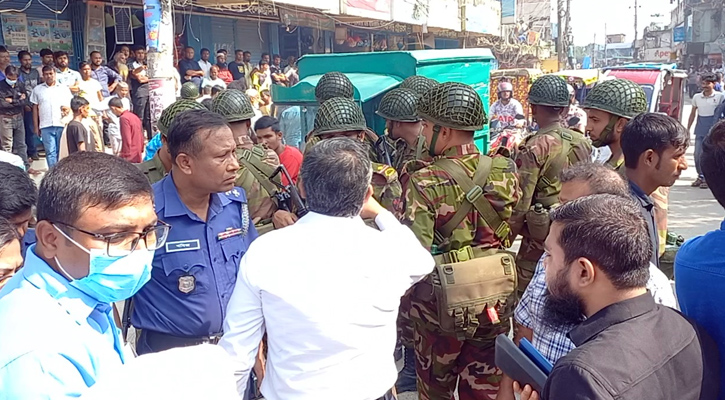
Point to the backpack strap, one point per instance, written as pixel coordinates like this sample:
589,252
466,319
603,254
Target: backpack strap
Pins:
557,165
474,198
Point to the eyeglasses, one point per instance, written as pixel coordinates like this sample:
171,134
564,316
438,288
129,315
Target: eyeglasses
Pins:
122,243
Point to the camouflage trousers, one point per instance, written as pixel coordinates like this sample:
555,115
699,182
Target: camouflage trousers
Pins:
405,325
442,359
529,254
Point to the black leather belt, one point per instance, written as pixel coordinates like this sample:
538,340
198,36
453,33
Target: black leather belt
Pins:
159,341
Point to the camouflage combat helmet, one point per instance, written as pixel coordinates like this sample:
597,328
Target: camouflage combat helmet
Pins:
549,90
417,83
170,112
399,105
620,97
339,114
233,105
333,84
189,90
453,105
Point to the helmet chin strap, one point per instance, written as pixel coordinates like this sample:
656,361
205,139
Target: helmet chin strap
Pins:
434,139
606,133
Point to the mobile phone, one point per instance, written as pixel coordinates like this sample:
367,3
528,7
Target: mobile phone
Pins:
517,365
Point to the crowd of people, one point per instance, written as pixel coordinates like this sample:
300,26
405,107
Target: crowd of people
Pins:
313,272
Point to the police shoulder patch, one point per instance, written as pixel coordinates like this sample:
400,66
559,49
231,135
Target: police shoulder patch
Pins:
237,194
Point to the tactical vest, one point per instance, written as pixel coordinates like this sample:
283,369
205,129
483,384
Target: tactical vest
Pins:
471,284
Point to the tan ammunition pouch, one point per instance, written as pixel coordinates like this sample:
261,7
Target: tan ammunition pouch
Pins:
471,284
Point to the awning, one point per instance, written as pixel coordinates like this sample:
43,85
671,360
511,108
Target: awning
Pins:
367,86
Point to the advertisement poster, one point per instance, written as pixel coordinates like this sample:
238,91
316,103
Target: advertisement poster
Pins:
62,36
368,8
38,35
15,31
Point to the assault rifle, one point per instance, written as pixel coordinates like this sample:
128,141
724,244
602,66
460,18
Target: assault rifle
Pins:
287,196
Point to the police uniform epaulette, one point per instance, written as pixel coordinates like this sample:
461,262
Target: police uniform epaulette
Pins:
390,174
238,195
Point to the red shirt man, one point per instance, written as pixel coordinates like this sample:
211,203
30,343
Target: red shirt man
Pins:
268,132
221,62
131,132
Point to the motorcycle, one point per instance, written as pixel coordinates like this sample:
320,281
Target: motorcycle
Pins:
506,138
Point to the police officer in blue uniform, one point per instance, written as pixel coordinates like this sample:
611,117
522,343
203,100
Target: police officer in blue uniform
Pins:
194,274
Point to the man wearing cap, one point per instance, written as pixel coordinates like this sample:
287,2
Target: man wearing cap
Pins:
456,228
506,107
157,167
540,160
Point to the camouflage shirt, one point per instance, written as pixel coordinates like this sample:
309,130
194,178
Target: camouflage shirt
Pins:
432,198
261,204
386,187
537,155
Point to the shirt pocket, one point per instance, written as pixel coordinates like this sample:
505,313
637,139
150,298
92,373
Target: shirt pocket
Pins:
186,273
233,249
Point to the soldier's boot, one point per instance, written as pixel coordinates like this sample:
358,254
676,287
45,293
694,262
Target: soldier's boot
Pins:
406,377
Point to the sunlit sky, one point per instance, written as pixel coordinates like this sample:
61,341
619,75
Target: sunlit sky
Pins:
589,16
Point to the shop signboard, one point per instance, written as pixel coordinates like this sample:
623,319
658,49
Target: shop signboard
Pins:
291,17
678,34
484,16
446,14
411,12
658,54
376,9
508,11
328,6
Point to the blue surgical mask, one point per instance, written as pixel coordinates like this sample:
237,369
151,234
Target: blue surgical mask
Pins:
112,279
11,82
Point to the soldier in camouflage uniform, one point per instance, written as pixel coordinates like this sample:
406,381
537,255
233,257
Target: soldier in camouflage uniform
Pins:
157,167
402,125
609,106
451,113
540,160
189,91
256,163
343,117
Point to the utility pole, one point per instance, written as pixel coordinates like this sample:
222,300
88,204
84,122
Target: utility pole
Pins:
560,50
606,40
569,38
160,58
594,51
634,43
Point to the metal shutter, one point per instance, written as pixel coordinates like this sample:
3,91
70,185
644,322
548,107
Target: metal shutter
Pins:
248,38
222,34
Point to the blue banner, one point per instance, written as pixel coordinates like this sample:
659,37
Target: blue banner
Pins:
508,11
587,62
678,34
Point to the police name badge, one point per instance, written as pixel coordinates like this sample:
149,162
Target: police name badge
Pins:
187,283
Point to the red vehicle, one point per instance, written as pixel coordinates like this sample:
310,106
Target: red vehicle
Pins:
663,84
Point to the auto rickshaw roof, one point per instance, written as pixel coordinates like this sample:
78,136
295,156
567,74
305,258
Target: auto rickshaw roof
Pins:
530,72
587,76
370,73
367,86
645,66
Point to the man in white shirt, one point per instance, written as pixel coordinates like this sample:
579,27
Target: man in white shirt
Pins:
213,79
51,101
64,75
329,301
703,106
204,62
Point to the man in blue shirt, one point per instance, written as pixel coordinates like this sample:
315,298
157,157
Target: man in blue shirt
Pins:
700,263
654,147
103,74
96,236
194,274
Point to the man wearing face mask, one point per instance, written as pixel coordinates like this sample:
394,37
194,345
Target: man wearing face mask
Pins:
13,100
193,275
96,237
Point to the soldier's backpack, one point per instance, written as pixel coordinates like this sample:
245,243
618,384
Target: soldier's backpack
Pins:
470,283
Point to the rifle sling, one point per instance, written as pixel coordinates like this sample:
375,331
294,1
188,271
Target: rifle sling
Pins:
474,197
259,169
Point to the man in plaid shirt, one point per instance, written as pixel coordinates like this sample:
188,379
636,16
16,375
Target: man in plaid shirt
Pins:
582,179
